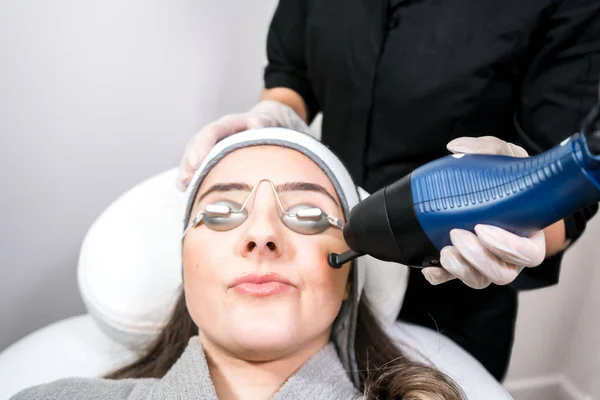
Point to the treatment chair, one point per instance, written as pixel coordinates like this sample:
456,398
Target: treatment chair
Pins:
128,272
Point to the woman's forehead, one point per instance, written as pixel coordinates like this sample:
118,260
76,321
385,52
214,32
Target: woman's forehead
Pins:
278,164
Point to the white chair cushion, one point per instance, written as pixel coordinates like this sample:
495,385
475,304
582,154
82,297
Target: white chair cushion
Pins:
76,347
129,267
435,349
71,347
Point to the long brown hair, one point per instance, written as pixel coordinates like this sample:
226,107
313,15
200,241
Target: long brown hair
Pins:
385,372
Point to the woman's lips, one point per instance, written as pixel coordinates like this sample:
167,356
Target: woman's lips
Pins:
261,285
261,289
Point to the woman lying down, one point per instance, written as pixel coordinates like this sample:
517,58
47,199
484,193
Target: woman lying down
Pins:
261,314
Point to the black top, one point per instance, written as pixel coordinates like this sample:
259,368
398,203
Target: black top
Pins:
397,80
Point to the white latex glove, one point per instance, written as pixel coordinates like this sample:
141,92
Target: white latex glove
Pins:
491,254
267,113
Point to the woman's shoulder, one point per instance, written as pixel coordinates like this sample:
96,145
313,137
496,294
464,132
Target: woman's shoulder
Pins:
87,389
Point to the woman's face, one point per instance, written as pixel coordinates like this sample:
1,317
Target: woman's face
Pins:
232,278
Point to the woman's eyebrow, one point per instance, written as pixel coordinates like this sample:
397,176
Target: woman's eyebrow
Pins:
284,187
225,187
304,186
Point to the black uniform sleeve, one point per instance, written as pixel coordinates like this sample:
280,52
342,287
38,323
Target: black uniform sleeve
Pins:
286,52
559,88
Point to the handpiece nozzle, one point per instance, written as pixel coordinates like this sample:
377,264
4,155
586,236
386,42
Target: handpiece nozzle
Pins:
337,260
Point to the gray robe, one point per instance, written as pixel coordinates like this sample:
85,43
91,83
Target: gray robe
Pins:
322,377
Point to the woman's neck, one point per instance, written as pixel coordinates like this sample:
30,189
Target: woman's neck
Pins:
235,378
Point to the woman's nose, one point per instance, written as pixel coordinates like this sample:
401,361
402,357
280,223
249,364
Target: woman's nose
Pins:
263,236
262,245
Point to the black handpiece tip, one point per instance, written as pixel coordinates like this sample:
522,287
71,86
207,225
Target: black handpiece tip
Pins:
338,260
333,260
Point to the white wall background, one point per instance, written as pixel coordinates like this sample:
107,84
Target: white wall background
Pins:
558,329
95,96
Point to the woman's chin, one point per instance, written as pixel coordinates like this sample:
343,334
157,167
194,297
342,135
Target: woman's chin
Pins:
263,342
265,316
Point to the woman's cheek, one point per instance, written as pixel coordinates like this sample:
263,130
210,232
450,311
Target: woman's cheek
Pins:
202,284
318,273
200,267
191,258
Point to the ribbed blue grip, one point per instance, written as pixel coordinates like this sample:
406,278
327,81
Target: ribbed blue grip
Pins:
521,195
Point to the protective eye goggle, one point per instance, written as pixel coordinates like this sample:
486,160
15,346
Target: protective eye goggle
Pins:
225,215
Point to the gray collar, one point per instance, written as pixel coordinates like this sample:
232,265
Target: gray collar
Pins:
322,377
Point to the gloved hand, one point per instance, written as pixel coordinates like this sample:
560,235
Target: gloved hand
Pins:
267,113
491,254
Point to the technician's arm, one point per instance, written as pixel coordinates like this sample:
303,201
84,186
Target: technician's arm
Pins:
560,87
556,239
288,97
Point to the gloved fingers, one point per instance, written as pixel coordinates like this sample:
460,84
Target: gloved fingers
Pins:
294,122
437,275
183,179
186,171
196,149
453,262
476,254
259,121
486,145
226,126
267,113
184,176
285,115
201,143
514,249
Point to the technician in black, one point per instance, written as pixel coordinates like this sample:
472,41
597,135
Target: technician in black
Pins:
396,81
